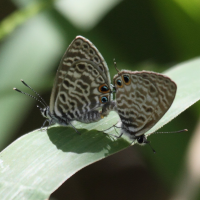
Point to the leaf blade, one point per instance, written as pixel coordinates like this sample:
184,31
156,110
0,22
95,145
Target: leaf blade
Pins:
42,161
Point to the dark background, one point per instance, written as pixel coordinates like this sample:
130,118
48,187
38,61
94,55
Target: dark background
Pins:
140,35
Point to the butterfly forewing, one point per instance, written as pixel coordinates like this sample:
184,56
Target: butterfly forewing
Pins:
143,100
80,74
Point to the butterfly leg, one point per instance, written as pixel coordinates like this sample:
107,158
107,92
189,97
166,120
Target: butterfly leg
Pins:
44,123
116,136
110,128
47,120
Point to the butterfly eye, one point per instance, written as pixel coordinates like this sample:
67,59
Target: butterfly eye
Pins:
126,79
119,83
103,99
104,88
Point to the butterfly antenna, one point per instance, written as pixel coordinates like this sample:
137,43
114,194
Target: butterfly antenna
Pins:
147,142
184,130
29,96
115,65
44,103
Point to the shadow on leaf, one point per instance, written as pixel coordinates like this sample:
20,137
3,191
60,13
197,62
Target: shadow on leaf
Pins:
67,140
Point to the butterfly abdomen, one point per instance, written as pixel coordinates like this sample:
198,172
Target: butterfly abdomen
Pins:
90,117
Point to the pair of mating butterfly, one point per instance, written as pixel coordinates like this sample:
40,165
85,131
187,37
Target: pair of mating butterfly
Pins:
82,86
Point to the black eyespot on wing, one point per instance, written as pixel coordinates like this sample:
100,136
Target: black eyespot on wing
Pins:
104,99
119,82
126,78
104,88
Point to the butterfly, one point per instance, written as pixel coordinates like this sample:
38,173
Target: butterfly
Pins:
142,98
81,88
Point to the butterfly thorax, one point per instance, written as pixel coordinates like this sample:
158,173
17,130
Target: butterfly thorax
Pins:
47,114
54,119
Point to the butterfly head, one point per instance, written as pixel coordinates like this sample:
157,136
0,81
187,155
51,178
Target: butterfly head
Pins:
45,112
142,140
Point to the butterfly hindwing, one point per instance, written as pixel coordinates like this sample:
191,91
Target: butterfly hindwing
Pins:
143,99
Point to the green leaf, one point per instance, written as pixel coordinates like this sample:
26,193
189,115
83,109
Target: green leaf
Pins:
36,164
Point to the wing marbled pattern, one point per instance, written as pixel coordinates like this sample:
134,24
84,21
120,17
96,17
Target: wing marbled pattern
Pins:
79,91
81,71
143,102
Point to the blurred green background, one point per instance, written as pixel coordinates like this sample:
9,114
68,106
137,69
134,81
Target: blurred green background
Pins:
141,35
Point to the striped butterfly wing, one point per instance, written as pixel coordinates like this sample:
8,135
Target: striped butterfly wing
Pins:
82,81
142,98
